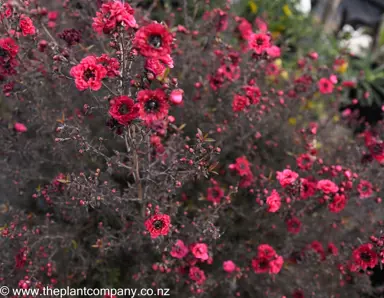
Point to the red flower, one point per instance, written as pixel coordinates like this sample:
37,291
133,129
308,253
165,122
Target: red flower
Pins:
253,93
156,67
332,249
153,41
325,86
267,260
112,65
244,28
304,161
179,250
259,42
239,103
365,189
26,25
294,225
327,186
158,225
338,203
318,247
197,275
88,74
364,256
8,48
153,105
123,109
214,194
375,147
241,166
308,188
274,201
113,14
200,251
287,177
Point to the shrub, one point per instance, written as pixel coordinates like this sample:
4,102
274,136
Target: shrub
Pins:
187,157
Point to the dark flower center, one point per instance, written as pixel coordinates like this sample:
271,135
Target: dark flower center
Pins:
365,256
264,264
158,224
3,53
151,105
88,74
123,109
155,41
378,149
259,41
215,193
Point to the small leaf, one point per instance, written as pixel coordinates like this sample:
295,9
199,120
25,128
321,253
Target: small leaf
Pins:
210,140
182,126
74,244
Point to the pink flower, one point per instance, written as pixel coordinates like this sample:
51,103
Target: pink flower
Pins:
20,127
259,42
365,189
176,96
200,251
26,25
273,52
88,74
197,275
179,250
327,186
325,86
229,266
287,177
274,202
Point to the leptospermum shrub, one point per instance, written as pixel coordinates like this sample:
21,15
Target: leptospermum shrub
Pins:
180,156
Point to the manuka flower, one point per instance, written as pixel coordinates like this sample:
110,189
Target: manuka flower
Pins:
26,25
153,105
88,74
158,225
153,41
259,42
123,109
113,14
364,256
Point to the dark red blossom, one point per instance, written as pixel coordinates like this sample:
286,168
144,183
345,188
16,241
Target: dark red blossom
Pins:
158,225
70,36
215,194
123,109
365,256
153,105
338,203
293,225
153,41
239,103
197,275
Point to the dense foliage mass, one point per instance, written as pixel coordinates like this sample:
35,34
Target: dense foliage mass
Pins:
183,153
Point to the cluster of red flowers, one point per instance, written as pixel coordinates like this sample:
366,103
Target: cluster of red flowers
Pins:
243,169
267,260
8,53
112,15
